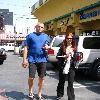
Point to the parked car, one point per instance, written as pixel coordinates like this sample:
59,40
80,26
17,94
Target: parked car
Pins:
89,49
7,46
87,55
3,55
55,45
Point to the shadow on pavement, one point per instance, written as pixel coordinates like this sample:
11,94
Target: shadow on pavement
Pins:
46,97
53,74
88,81
16,95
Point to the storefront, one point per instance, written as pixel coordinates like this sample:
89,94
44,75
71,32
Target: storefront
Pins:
89,19
74,16
61,25
11,38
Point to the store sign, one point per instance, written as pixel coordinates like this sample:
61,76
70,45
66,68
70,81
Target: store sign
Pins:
90,14
91,32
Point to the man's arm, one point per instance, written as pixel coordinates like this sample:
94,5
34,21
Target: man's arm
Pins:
25,62
47,44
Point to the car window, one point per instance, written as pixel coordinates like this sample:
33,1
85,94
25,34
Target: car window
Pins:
57,42
51,38
91,43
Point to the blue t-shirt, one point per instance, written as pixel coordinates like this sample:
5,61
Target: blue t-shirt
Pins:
35,43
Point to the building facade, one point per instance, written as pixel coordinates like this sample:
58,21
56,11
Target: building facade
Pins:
6,16
61,17
1,23
8,32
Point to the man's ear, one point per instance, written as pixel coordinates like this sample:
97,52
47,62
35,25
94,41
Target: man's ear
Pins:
35,26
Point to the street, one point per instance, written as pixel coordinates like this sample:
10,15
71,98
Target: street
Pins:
13,78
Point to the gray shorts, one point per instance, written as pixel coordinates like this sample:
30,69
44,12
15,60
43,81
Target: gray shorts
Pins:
39,67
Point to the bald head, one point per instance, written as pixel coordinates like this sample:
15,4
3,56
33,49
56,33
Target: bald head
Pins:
39,27
39,23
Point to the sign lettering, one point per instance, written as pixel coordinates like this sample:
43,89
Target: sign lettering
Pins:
89,15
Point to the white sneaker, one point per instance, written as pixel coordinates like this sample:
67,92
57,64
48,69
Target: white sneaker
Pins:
31,95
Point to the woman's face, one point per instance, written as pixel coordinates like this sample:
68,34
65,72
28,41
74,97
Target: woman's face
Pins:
69,39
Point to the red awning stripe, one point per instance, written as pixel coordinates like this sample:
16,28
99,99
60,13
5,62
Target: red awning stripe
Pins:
5,36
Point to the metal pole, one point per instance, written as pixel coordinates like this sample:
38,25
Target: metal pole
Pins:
27,30
15,35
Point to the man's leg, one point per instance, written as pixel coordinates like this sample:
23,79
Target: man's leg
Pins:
41,68
40,85
30,84
32,71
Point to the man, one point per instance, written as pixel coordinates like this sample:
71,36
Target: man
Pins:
35,48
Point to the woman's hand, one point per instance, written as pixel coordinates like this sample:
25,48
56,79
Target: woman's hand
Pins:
66,56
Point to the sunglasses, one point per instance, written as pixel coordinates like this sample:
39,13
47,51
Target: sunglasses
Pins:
69,38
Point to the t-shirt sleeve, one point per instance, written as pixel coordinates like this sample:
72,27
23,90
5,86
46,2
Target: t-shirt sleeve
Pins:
27,42
48,40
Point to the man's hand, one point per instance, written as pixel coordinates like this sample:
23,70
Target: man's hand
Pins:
46,47
25,64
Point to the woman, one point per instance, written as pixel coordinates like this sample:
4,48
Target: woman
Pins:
66,50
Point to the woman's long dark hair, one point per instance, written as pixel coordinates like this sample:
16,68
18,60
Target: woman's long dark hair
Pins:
73,43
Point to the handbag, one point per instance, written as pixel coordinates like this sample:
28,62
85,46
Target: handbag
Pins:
67,66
